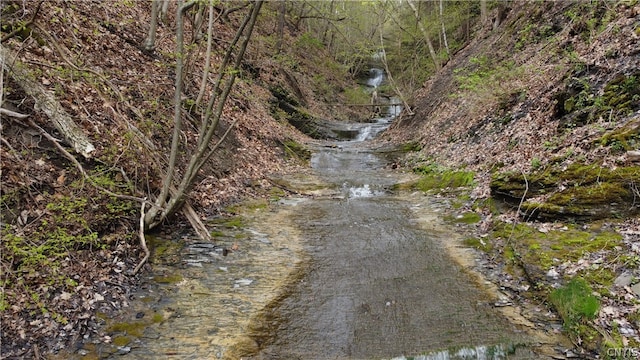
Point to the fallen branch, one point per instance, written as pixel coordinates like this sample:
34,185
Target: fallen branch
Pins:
13,114
60,49
198,226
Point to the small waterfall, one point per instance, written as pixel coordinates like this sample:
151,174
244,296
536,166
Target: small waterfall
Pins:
376,77
390,105
363,134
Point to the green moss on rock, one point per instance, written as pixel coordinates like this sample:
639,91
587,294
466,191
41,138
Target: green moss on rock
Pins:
580,191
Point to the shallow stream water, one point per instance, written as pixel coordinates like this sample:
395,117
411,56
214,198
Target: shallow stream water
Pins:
347,270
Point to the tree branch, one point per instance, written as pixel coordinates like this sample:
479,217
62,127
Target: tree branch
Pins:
143,242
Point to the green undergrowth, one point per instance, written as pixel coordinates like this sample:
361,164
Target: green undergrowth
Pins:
411,146
464,218
622,139
356,95
487,79
168,279
295,150
164,250
583,102
478,243
37,252
126,332
576,304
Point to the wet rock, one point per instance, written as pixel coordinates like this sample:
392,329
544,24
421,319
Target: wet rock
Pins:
264,240
570,354
633,155
623,280
197,261
123,350
502,303
553,274
242,282
577,192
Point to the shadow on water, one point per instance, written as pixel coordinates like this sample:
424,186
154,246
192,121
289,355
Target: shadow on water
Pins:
353,271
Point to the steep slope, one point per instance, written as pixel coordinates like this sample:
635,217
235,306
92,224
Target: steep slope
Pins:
67,246
507,93
545,109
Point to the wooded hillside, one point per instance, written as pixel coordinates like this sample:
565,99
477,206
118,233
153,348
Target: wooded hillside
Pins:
87,122
544,110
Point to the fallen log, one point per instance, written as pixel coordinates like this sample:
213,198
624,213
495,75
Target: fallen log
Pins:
46,102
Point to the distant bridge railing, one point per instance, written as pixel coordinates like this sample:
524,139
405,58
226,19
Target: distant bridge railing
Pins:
363,105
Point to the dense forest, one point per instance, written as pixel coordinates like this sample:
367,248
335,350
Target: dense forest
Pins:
124,118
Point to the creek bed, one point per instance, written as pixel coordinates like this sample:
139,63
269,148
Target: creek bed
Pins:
347,270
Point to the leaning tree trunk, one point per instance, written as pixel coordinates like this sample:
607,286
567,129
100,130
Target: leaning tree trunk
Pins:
425,34
444,30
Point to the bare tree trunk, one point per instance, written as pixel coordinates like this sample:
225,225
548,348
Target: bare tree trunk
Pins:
150,41
432,51
164,10
483,11
177,116
198,20
327,28
280,30
300,17
444,31
207,65
502,14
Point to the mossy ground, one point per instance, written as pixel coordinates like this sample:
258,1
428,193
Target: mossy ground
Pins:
125,332
464,218
535,250
296,150
436,178
584,252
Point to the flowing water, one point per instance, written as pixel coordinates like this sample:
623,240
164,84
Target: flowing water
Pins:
350,270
